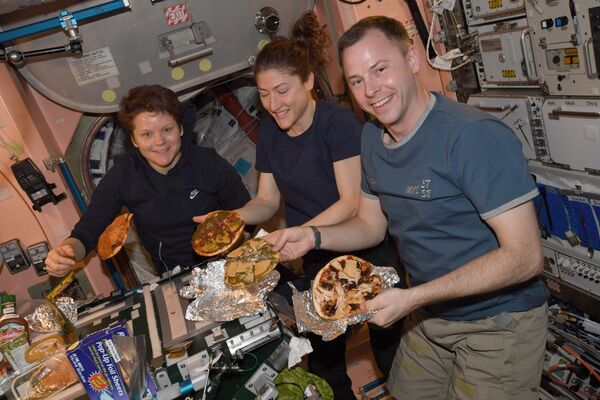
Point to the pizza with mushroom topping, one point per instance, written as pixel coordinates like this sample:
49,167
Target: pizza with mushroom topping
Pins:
342,285
218,233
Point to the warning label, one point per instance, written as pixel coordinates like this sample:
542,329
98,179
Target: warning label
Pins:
93,66
177,14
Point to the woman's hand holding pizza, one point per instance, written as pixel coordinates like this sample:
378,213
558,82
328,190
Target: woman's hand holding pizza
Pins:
292,243
200,218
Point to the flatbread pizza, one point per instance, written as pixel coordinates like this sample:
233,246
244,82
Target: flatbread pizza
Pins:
44,348
219,232
249,263
342,285
114,236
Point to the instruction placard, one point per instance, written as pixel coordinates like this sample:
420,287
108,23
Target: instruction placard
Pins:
93,66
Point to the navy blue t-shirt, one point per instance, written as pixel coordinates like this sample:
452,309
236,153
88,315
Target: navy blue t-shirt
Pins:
438,185
303,165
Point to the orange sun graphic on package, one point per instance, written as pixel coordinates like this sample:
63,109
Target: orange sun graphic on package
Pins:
98,382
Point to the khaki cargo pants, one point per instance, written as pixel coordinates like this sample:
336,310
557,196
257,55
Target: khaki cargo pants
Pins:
497,358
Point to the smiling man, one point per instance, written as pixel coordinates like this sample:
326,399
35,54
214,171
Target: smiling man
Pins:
452,186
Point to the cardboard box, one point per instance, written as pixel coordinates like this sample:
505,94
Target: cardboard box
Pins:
96,361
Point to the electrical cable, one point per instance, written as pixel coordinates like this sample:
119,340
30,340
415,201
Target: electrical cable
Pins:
419,22
429,47
525,138
556,367
253,366
573,387
210,361
510,111
582,361
454,20
161,259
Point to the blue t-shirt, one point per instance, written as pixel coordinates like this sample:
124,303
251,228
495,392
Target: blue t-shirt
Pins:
438,185
303,165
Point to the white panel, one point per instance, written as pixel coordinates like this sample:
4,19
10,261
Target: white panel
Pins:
485,11
522,114
146,44
566,45
572,127
502,58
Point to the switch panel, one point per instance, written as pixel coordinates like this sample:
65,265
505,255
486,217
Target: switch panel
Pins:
485,11
550,262
522,112
34,184
595,28
37,254
14,256
566,44
506,54
580,273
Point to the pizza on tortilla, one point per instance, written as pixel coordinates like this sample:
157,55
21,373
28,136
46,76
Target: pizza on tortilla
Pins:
342,285
250,263
219,232
113,237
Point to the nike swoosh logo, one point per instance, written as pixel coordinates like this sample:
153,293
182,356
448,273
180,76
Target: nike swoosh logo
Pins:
193,194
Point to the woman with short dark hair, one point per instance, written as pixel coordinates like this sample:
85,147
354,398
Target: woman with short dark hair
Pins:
165,181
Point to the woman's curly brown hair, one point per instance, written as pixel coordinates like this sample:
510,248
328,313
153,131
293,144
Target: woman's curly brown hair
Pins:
301,55
308,31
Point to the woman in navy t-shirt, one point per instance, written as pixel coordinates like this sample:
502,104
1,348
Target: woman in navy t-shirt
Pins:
308,154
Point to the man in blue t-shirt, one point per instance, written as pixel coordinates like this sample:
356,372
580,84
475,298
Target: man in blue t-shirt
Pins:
452,186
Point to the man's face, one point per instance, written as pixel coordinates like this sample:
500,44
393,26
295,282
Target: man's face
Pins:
381,78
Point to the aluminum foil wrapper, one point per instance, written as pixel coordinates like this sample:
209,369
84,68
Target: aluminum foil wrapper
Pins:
307,319
68,307
218,302
194,288
43,320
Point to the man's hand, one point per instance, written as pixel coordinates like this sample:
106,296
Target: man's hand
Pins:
292,243
391,305
60,260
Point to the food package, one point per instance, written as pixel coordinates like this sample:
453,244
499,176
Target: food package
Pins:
14,341
5,369
46,317
97,363
52,376
43,320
